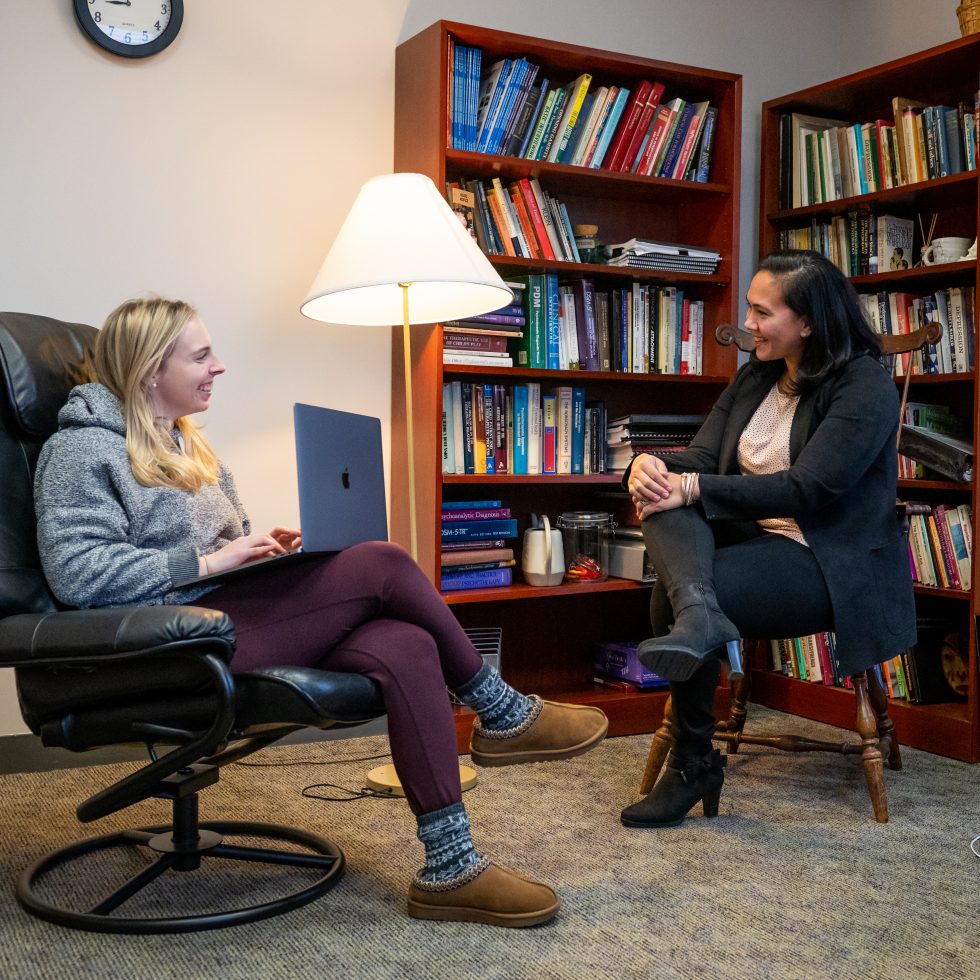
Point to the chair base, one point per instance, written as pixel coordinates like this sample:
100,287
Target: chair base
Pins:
180,851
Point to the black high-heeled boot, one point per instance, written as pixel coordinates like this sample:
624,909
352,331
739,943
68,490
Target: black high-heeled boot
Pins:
684,783
681,546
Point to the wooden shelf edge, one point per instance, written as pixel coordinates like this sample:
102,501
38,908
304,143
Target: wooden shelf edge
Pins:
521,591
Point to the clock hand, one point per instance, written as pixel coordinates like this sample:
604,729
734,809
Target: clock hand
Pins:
121,3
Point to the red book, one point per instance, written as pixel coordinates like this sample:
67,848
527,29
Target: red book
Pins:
627,125
540,231
524,218
643,124
659,131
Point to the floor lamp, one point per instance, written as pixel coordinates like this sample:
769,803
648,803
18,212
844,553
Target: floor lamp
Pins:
403,256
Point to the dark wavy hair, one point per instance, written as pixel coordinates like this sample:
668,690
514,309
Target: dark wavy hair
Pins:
816,290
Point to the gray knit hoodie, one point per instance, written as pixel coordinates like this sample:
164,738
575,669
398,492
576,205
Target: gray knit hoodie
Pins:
106,540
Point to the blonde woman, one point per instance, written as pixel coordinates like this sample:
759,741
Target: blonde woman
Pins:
131,499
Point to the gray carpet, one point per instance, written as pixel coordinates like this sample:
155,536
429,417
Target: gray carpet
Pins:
794,879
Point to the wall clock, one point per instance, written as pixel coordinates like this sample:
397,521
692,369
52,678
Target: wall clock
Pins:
131,28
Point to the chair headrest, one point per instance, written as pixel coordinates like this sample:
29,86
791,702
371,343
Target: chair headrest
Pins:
39,358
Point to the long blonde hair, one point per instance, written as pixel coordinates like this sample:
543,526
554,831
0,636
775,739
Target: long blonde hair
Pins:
135,340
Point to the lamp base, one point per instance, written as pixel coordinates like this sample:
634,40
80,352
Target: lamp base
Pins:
385,780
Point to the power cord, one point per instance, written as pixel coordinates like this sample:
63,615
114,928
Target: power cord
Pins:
353,795
973,846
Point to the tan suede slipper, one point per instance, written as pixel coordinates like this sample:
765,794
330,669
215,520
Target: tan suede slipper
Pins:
551,731
491,894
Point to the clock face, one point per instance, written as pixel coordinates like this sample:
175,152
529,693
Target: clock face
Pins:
132,28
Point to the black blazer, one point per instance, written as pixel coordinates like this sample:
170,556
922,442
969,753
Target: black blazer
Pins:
840,489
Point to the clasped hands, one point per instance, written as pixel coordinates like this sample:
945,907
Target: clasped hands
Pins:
250,547
652,487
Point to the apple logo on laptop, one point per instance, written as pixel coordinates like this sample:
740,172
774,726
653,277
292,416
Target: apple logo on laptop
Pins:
345,478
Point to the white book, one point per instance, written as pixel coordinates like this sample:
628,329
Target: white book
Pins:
534,428
484,358
448,451
957,328
457,417
564,419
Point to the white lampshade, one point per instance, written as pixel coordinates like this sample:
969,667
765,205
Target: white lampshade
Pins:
401,230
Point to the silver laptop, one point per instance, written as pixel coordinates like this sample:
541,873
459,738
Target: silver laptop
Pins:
340,474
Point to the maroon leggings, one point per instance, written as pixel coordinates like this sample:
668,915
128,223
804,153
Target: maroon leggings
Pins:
368,610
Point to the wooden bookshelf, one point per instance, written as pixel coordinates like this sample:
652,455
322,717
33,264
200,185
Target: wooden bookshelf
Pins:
943,75
549,633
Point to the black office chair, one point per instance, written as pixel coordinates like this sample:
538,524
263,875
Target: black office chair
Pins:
151,675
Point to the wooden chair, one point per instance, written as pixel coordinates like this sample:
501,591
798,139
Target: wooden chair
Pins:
876,730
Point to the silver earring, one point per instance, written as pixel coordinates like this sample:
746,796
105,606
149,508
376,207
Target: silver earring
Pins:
154,384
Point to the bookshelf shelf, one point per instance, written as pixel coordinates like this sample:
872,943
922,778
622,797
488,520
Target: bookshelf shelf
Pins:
946,75
575,179
955,191
564,591
567,377
550,633
516,264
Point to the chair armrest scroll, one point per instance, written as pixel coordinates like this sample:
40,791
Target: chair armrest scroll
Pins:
85,635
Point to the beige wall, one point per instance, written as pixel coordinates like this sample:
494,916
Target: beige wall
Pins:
220,170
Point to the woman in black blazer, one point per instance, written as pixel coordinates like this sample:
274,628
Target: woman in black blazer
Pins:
779,519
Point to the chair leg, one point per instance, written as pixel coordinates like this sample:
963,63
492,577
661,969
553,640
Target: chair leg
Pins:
874,767
659,748
737,711
886,727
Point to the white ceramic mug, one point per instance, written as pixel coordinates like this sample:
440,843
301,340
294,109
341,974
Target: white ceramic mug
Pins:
942,250
543,560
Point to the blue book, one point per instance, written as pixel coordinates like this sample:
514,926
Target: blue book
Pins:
492,91
552,307
859,141
488,578
479,530
706,141
460,55
676,141
514,82
578,430
489,426
568,230
571,148
471,504
473,96
543,91
520,429
608,128
466,397
517,107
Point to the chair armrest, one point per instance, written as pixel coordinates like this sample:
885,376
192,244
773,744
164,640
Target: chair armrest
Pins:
86,635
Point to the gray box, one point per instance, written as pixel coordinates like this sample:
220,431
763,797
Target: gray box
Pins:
628,559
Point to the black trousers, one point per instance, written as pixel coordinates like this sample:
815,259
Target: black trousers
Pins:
769,586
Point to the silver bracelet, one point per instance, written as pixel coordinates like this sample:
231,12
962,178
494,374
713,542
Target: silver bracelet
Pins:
689,483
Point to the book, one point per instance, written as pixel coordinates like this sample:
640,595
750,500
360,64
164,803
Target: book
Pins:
479,530
895,243
627,126
573,105
703,163
635,147
607,128
904,111
805,189
475,514
945,454
470,504
485,578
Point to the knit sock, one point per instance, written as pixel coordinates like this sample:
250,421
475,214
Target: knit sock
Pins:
499,706
449,850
